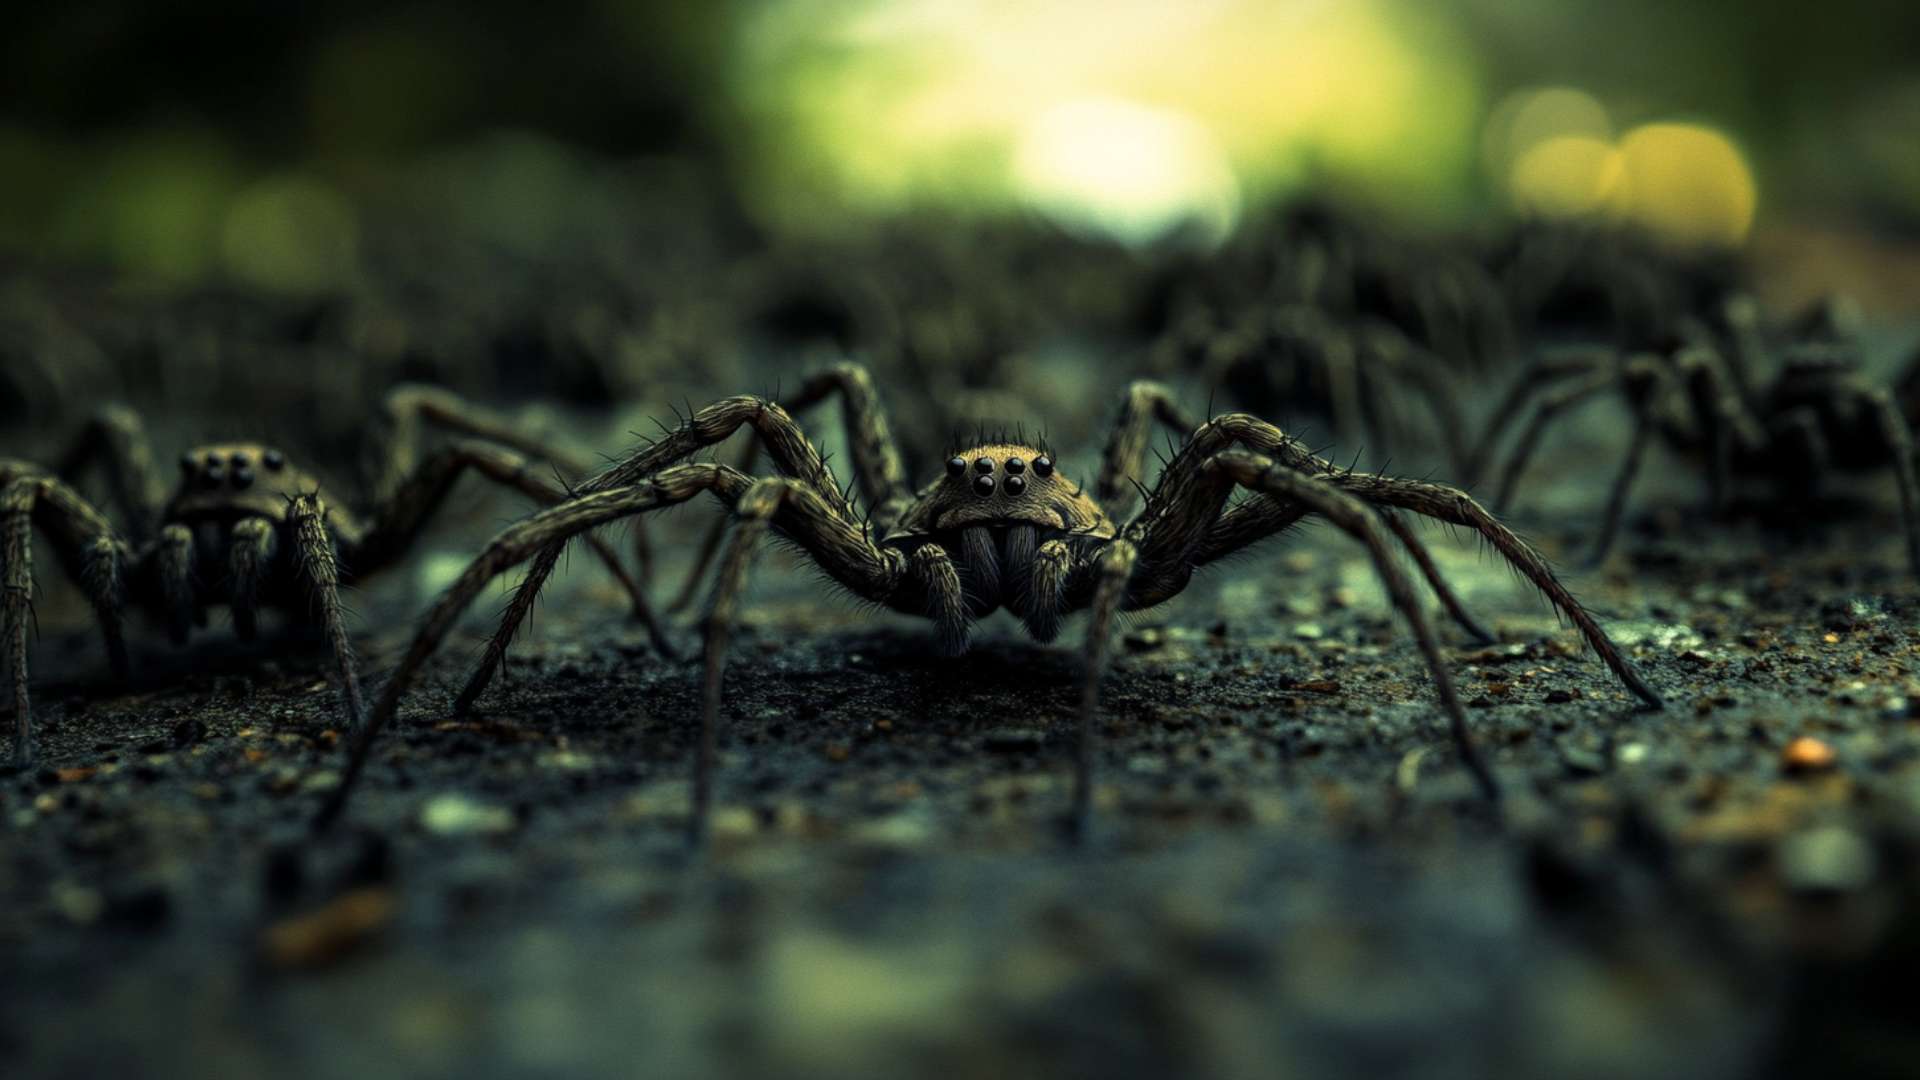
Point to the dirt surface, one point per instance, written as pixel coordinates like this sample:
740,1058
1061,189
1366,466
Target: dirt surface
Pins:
1291,874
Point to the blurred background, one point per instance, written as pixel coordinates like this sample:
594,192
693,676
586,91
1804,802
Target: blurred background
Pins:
274,147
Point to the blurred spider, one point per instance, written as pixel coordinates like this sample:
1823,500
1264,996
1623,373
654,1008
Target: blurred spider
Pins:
247,528
1819,415
1357,377
1002,528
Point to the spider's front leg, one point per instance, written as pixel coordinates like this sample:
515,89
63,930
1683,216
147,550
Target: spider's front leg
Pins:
1125,458
795,456
400,517
798,510
1438,501
96,559
1154,559
877,464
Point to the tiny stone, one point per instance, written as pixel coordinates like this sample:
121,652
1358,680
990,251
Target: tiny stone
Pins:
457,815
1307,631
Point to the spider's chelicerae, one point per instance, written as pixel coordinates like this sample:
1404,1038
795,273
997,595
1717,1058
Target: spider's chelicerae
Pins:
1003,528
247,528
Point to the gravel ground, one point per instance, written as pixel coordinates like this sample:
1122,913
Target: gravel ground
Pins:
1290,875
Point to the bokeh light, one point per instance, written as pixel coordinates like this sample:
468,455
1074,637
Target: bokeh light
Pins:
1688,183
884,106
1124,170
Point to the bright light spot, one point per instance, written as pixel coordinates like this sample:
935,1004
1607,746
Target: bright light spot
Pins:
1688,183
1526,118
290,233
884,106
1567,176
1127,171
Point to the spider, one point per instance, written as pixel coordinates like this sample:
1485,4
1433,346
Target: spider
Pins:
1004,527
247,528
1819,414
1355,376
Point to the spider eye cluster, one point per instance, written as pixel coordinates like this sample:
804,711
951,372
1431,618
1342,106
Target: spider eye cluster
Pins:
985,469
214,470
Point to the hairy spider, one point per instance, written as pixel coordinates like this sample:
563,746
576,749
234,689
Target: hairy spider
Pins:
246,528
1004,527
1817,415
1355,376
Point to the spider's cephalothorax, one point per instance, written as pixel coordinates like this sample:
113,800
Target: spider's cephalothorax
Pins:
243,528
1002,528
1011,523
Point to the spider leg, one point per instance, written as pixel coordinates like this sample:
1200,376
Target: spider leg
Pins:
754,511
792,453
319,563
402,515
1646,383
1449,600
877,464
1053,567
1451,504
116,436
95,558
1716,397
1113,568
253,543
1322,497
1899,439
1124,459
411,407
1544,414
1544,373
1170,545
803,514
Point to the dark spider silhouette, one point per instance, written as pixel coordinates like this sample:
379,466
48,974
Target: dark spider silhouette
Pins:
1003,528
246,528
1818,414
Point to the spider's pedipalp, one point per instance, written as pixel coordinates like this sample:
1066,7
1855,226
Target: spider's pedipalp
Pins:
252,545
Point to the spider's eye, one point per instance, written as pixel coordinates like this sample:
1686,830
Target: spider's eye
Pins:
213,474
983,465
983,485
242,475
1016,466
956,466
1043,466
273,459
1016,484
187,463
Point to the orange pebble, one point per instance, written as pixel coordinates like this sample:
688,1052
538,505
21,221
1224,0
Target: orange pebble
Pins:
1807,754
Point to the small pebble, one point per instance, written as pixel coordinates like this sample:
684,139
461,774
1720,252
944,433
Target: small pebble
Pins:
457,815
1807,754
